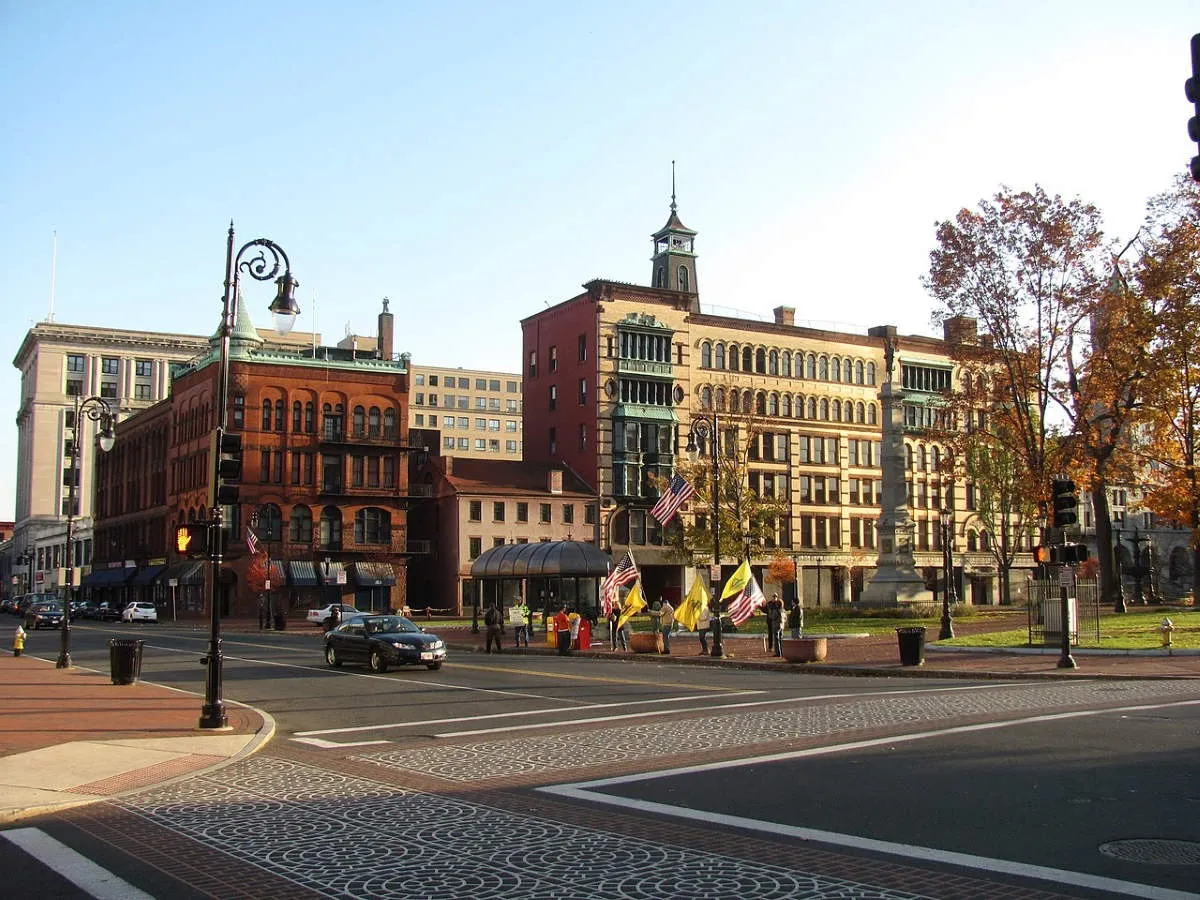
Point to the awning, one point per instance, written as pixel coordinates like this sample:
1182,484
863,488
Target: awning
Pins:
374,574
275,573
106,577
330,572
190,572
302,572
146,576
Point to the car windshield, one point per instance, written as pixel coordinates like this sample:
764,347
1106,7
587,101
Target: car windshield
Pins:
389,625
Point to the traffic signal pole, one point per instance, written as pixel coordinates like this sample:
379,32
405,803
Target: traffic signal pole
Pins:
1065,501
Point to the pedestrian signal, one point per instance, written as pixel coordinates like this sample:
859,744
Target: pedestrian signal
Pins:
191,539
1066,502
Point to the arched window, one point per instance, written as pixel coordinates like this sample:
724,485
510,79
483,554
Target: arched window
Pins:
810,367
812,407
706,398
785,408
773,363
720,361
706,355
860,414
837,410
972,542
824,410
835,368
266,417
373,422
734,357
301,526
785,368
908,457
360,422
760,403
871,414
660,277
389,424
748,401
858,372
331,528
373,526
823,369
748,359
848,371
937,458
870,373
270,523
985,542
720,399
924,458
684,283
760,361
310,417
735,401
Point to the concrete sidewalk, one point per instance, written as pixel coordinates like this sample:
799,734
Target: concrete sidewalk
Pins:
70,736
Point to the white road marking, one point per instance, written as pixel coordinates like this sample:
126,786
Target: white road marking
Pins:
79,870
586,791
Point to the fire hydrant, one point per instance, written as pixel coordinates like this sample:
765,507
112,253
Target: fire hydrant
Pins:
1166,628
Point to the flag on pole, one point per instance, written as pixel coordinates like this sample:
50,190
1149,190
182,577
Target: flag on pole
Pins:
693,605
634,601
677,493
737,581
743,606
625,572
251,541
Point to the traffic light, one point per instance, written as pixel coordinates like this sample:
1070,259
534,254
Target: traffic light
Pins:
1192,88
191,539
1069,554
228,448
1066,502
1041,554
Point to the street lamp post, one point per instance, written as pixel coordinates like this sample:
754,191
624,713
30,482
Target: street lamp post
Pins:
1119,589
947,630
284,308
1137,540
98,410
26,559
707,427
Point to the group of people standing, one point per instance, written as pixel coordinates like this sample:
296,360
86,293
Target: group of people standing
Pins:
779,618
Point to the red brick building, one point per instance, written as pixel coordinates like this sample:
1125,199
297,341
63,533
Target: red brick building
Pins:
325,480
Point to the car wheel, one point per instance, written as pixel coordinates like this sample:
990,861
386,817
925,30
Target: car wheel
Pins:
433,666
331,657
377,662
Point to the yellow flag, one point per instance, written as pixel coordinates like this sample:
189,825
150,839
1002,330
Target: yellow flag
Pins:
693,605
633,602
737,581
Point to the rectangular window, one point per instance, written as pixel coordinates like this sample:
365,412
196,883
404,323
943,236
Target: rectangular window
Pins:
433,381
464,402
493,445
143,368
108,390
141,392
264,466
357,471
533,364
568,513
389,471
481,384
554,359
512,387
295,468
448,423
109,365
481,424
480,444
420,419
474,547
494,403
75,363
373,471
464,443
419,399
448,443
277,466
463,383
582,391
582,341
553,397
510,405
493,384
475,511
544,513
433,400
510,446
522,512
583,437
309,460
493,424
433,421
498,511
481,402
510,425
74,387
448,400
421,380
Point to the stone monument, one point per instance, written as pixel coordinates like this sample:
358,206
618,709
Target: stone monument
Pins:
896,580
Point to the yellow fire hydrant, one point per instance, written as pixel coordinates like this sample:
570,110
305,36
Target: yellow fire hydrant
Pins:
1166,628
18,641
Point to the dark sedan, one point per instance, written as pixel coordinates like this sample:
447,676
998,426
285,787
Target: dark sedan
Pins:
44,615
382,642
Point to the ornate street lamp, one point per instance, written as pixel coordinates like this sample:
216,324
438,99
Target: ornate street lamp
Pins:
98,410
261,267
707,428
1119,575
947,518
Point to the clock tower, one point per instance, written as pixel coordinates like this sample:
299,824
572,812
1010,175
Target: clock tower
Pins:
674,259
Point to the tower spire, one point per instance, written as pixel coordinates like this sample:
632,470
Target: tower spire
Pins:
672,187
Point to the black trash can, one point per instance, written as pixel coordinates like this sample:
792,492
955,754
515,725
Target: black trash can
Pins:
912,645
125,660
280,621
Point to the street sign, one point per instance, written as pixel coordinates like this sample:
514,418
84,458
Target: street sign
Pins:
1066,577
714,574
172,582
267,584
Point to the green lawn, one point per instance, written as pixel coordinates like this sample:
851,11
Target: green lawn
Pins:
1137,629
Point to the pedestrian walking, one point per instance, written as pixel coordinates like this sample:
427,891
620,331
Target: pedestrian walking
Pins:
773,609
795,619
18,640
335,616
575,623
491,620
522,629
666,622
562,631
703,624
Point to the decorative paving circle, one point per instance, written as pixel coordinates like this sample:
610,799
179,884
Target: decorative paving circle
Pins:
1154,851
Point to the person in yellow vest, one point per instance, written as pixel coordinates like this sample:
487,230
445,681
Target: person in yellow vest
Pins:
18,640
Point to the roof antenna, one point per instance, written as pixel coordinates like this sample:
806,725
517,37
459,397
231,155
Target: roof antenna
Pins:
672,185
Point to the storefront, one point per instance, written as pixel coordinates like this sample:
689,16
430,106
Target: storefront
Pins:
373,583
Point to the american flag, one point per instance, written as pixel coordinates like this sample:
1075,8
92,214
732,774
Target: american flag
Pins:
625,573
676,494
251,541
744,604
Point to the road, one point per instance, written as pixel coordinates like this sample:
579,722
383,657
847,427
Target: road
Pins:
538,776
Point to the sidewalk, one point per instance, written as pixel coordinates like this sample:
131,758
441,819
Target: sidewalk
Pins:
70,736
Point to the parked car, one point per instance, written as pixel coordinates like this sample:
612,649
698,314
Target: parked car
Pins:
44,615
107,612
321,616
140,611
382,642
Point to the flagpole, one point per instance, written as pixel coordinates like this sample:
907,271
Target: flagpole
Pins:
707,425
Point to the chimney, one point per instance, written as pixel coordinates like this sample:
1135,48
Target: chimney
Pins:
785,315
448,468
960,330
384,344
556,481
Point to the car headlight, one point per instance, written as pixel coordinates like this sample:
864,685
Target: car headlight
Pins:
436,645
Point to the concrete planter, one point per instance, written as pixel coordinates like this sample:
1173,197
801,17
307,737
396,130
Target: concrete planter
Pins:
645,642
805,650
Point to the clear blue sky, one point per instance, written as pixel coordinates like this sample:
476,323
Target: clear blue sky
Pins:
476,161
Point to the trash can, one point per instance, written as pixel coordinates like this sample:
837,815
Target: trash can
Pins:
280,621
912,645
125,660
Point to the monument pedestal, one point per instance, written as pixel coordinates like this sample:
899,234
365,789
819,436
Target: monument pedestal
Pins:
895,584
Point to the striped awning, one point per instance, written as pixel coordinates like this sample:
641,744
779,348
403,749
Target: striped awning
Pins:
147,576
186,573
302,573
374,574
276,574
330,572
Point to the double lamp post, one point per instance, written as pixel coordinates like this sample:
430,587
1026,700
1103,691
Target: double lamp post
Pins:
262,260
706,427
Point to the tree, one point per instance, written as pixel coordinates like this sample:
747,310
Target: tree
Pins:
1168,277
1029,269
257,573
1003,504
